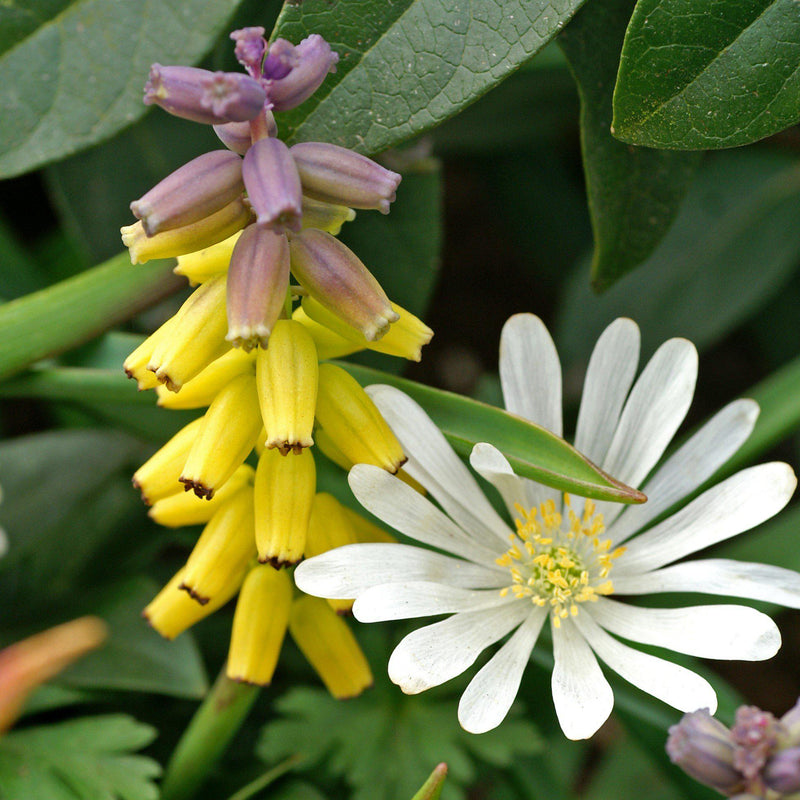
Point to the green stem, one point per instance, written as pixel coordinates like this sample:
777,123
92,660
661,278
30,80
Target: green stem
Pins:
213,726
246,792
69,313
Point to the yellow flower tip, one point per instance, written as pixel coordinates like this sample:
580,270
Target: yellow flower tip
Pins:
248,340
289,445
199,488
279,562
195,595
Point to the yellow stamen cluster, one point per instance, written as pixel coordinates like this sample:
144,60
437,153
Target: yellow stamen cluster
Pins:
559,562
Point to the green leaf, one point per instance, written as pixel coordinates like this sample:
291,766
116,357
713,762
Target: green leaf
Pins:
383,743
85,759
76,77
407,66
71,312
532,451
699,74
730,249
634,193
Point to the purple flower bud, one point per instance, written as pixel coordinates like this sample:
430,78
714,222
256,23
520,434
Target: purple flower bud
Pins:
250,48
334,275
337,175
273,185
196,190
782,773
755,733
258,278
790,722
702,747
237,136
294,74
203,96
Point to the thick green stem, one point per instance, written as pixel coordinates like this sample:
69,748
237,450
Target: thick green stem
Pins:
213,726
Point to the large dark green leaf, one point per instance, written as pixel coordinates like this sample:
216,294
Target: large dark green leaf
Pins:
75,71
83,759
634,192
532,451
732,246
708,73
408,65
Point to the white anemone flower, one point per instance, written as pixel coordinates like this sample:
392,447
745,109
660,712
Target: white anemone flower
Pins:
567,561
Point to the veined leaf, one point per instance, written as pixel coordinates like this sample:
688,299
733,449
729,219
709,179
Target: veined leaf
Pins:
65,315
532,451
408,65
74,73
84,759
699,74
634,192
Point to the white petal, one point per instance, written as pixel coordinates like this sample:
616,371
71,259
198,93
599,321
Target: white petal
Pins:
721,632
488,698
530,372
406,510
421,599
655,409
609,376
720,577
675,685
492,465
433,463
348,571
434,654
582,696
696,461
739,503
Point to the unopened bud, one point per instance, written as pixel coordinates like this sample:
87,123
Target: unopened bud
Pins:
198,340
135,365
194,191
782,772
295,73
326,216
229,431
337,175
158,476
202,265
352,421
335,276
287,374
203,96
259,625
284,491
220,559
258,279
187,238
329,645
273,185
328,343
703,748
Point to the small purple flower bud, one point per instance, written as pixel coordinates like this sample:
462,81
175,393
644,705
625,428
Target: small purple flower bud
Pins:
280,60
782,773
258,278
294,74
196,190
237,136
755,733
273,185
337,279
203,96
337,175
703,748
250,48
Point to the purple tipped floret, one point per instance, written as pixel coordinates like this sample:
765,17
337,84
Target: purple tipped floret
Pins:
202,96
337,175
782,773
195,191
273,185
250,48
295,73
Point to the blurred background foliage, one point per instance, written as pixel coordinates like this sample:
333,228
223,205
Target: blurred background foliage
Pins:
523,201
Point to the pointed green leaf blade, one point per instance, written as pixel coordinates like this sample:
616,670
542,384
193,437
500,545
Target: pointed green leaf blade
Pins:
634,192
699,74
532,451
409,65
